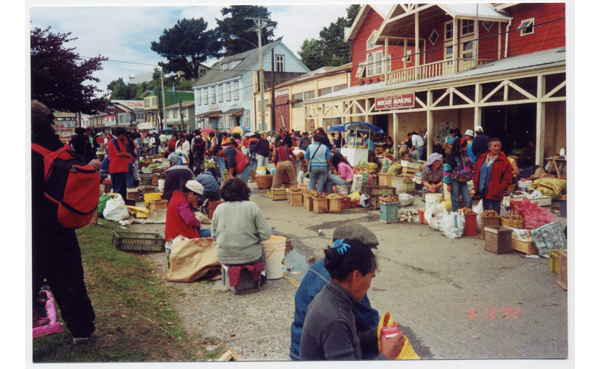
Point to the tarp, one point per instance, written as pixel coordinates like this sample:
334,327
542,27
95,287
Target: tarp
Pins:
363,126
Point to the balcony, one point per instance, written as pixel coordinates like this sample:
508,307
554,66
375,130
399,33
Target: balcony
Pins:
435,69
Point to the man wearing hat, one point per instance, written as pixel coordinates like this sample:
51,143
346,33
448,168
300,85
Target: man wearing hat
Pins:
480,143
317,277
287,138
469,137
56,256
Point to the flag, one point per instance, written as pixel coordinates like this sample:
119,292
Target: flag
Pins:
174,89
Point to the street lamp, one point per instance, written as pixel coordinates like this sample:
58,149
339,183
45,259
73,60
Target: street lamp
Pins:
234,37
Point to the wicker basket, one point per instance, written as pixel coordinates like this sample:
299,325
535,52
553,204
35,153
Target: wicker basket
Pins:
513,219
265,181
136,241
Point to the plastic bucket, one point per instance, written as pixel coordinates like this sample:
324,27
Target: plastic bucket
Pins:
432,199
261,171
151,196
212,205
274,253
161,185
470,225
525,185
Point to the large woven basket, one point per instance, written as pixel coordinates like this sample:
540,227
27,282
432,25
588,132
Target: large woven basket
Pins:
513,219
265,181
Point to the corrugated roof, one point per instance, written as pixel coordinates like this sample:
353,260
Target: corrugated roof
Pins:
129,104
184,104
546,57
317,73
461,10
249,59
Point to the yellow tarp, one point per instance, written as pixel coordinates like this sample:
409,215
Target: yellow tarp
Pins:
138,212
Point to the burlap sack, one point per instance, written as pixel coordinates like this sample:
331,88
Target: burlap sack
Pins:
192,259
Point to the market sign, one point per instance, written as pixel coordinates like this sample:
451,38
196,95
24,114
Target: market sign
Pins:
280,93
395,101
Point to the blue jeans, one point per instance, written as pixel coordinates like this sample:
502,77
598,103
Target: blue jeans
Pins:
221,163
318,173
129,181
245,175
460,189
119,182
253,163
421,153
204,233
333,180
491,204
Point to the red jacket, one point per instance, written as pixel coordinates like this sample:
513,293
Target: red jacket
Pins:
116,164
174,225
500,179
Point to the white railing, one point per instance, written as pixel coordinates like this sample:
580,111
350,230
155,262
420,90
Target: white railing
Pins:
439,68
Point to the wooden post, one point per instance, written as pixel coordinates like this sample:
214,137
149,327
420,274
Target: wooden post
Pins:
455,45
385,72
477,113
418,55
273,122
540,121
395,134
405,51
429,123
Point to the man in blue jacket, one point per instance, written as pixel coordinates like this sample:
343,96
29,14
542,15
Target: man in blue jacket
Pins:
317,277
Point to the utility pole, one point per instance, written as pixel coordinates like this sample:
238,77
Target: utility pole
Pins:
180,114
162,85
273,90
259,25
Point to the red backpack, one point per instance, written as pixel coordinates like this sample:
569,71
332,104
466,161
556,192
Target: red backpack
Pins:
70,183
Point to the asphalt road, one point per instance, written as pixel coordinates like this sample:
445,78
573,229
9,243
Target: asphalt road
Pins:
452,299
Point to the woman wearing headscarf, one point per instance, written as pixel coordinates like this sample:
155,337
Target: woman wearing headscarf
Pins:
458,170
433,175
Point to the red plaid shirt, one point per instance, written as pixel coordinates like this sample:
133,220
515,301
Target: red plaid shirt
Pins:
283,153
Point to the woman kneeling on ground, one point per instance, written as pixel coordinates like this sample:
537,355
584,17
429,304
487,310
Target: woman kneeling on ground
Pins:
341,175
238,226
329,331
433,175
181,220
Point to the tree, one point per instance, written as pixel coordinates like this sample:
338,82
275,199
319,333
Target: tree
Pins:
330,49
58,74
187,45
237,24
121,91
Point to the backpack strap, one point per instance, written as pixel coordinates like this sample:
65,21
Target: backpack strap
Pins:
40,149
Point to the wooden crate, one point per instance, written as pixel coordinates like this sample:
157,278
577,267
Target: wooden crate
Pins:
488,222
385,179
148,189
378,190
278,194
296,199
335,205
374,201
158,204
525,246
320,205
498,240
562,269
308,202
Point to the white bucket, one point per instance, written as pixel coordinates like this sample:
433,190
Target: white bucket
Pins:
274,253
161,185
525,185
432,199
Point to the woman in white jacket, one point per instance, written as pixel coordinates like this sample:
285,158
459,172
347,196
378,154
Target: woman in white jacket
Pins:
182,145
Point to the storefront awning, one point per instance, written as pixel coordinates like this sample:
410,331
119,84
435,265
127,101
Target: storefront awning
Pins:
214,113
235,112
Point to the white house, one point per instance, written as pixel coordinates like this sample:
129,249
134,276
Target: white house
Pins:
224,96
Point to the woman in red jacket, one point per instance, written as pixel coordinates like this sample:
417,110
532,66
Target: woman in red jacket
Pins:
492,176
181,220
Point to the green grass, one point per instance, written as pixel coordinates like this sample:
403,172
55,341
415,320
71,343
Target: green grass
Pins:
135,317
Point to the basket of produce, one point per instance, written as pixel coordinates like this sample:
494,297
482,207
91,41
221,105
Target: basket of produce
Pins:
512,219
137,241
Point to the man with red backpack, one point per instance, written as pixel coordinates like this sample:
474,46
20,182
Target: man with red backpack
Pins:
56,257
238,163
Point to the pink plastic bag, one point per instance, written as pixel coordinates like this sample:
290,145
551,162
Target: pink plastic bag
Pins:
535,216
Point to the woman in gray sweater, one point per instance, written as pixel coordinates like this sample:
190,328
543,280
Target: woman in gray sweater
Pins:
329,331
238,226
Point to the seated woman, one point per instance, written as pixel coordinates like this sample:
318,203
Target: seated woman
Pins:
181,220
238,226
342,174
329,331
433,175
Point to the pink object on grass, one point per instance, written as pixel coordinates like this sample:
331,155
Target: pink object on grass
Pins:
53,326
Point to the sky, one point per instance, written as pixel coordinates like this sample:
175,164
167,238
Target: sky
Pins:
123,30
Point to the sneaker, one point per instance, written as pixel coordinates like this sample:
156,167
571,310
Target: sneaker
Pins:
80,340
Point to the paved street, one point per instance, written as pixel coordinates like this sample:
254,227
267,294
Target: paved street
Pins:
452,299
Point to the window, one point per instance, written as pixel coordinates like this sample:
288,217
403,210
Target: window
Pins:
236,90
374,61
309,95
360,71
467,50
339,88
371,40
488,25
154,101
526,26
324,91
448,31
146,102
206,96
247,122
280,59
408,56
183,114
299,98
221,93
214,94
467,26
388,63
198,97
433,37
228,92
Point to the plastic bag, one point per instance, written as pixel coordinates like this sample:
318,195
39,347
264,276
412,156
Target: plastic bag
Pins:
354,196
364,201
102,203
407,352
534,195
478,209
558,186
341,189
357,183
430,215
300,177
453,225
395,169
115,209
535,216
405,199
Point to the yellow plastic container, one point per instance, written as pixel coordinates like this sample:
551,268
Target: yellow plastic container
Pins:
554,257
151,196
